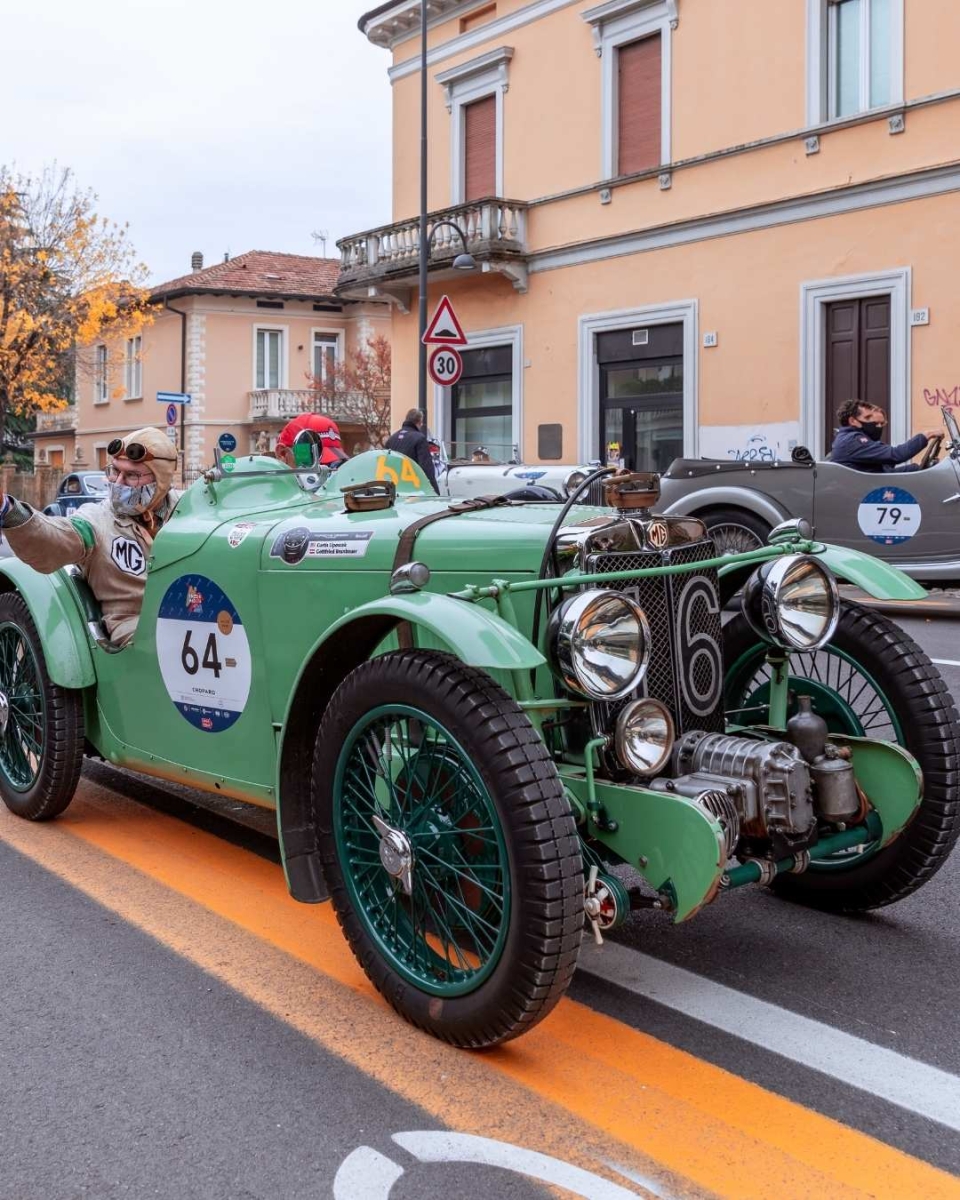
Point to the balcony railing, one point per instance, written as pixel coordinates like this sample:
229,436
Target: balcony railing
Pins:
495,230
280,404
51,422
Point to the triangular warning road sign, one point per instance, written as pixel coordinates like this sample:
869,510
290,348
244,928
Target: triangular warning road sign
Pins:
444,328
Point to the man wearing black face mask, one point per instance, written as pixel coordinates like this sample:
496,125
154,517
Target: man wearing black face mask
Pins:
858,443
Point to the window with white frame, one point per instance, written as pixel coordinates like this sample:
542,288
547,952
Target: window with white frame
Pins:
633,41
132,376
326,355
475,92
855,57
268,356
100,395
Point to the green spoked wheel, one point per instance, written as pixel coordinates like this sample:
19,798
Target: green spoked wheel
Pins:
873,681
41,724
450,852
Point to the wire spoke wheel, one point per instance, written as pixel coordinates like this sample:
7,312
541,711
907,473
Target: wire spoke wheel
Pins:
41,723
21,747
449,848
443,924
871,681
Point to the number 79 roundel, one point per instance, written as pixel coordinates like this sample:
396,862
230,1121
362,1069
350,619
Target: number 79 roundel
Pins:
203,653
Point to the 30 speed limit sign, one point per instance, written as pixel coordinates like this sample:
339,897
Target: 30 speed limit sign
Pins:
446,366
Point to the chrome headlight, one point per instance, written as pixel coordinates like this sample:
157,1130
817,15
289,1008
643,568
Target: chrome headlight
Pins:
600,644
793,602
572,481
645,737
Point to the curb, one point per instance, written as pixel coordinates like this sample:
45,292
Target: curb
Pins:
942,607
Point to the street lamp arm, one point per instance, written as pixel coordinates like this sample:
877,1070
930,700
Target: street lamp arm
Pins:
452,225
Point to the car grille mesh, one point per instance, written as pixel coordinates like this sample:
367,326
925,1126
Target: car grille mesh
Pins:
675,676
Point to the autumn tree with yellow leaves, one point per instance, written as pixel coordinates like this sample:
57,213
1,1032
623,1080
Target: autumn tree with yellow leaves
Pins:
68,279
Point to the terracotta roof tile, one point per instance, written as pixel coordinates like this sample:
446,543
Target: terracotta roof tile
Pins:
260,273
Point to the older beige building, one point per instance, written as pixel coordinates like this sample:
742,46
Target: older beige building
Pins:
242,337
699,225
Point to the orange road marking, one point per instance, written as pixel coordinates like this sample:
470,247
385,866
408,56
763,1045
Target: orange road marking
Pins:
699,1122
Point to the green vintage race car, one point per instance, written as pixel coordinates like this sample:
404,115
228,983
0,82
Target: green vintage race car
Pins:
468,717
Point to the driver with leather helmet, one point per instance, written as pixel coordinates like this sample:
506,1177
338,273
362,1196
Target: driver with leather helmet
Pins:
110,541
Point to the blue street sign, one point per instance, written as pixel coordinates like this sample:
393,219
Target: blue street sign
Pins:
173,397
227,443
172,412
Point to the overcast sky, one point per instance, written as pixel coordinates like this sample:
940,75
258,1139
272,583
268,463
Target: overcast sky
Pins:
213,125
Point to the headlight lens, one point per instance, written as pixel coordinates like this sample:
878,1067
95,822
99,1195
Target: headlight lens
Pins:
793,602
572,482
600,644
645,737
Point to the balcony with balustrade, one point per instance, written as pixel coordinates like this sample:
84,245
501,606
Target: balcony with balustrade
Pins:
387,259
64,421
280,404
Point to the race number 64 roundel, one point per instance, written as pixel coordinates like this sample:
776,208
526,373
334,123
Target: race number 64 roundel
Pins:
203,652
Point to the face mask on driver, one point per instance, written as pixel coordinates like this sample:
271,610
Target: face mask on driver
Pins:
873,430
131,501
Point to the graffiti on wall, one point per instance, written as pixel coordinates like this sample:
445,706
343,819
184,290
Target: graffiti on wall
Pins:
749,443
939,397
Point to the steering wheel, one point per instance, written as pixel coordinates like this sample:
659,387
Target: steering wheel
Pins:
932,452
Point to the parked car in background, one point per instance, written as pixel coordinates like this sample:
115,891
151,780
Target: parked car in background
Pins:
910,519
491,472
76,489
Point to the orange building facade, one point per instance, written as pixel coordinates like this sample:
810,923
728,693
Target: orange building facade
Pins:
698,227
244,338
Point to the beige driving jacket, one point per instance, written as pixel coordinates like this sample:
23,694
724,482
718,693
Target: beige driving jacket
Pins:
111,550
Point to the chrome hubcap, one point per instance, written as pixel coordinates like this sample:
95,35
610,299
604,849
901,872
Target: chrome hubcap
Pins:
396,853
4,713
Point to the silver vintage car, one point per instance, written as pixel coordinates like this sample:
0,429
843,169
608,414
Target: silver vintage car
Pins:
910,519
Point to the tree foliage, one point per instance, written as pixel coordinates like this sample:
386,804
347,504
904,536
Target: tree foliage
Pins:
68,279
358,389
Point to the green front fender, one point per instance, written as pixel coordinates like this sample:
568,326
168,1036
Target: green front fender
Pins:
871,575
477,637
58,620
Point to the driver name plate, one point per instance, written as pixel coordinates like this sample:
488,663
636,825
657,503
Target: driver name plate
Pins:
203,653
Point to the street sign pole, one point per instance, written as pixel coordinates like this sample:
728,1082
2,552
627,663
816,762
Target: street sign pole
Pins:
424,240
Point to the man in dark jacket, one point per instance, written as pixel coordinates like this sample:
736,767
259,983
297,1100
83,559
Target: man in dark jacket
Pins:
412,441
858,443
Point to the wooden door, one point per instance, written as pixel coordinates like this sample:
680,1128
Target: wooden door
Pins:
858,357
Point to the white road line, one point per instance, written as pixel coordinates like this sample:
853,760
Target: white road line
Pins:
946,662
895,1078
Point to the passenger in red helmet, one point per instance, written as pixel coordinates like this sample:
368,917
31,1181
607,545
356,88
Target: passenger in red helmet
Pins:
332,453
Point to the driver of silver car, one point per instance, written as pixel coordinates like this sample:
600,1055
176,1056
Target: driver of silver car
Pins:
858,442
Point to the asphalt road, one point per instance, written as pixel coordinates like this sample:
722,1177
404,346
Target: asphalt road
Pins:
176,1027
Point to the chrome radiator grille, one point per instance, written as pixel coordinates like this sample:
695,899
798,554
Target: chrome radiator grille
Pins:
686,657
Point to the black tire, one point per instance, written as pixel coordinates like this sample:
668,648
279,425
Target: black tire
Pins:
541,937
36,784
735,530
929,729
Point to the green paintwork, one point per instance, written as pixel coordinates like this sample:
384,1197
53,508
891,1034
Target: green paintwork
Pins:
837,843
679,842
891,778
58,620
478,637
871,575
303,619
